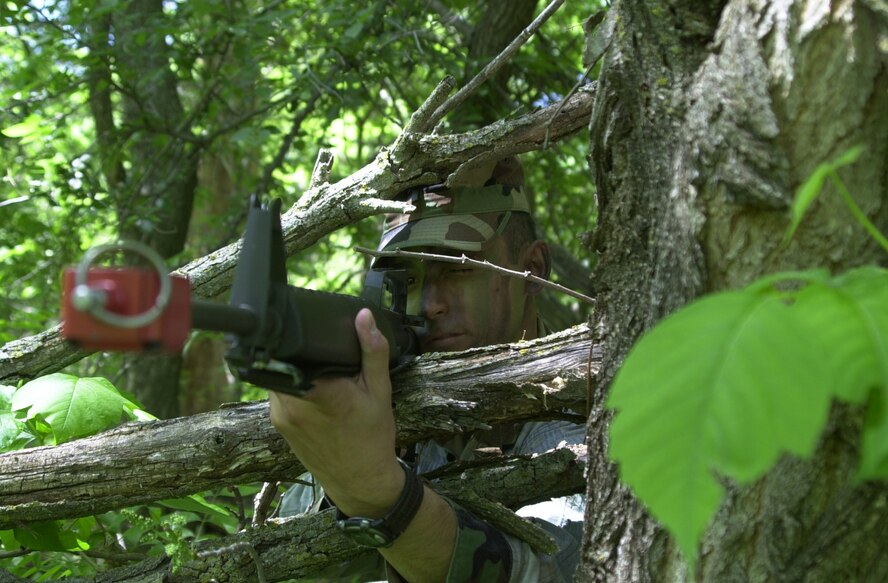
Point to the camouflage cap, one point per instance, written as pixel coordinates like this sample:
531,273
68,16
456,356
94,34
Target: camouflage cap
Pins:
461,218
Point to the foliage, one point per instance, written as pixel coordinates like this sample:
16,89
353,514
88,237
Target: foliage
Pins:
729,383
263,86
61,407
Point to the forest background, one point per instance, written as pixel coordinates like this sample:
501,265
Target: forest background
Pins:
155,121
669,174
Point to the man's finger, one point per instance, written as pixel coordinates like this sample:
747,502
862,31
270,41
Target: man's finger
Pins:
375,348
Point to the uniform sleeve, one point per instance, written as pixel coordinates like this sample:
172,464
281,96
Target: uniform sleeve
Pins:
483,554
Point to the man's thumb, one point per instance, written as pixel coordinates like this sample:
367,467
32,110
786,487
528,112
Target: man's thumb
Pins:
374,345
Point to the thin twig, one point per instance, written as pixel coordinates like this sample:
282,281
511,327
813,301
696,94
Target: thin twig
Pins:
598,44
463,259
422,119
323,165
448,17
564,102
241,508
262,502
493,66
284,148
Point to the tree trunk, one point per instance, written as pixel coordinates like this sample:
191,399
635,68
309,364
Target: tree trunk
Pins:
708,116
154,205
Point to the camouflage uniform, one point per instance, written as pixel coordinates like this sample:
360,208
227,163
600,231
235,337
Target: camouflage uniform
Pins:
467,219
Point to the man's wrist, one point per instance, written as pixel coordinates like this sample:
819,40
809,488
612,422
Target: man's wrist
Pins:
382,532
370,497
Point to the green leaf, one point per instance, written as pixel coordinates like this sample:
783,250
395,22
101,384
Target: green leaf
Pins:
848,317
30,125
868,288
874,444
354,31
6,392
8,541
805,195
848,157
10,429
48,536
73,407
725,384
811,188
196,503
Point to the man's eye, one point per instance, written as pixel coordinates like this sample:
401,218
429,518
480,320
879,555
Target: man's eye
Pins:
411,281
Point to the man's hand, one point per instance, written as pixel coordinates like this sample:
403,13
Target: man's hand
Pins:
343,430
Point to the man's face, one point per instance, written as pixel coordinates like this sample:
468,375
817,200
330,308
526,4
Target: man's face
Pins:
467,306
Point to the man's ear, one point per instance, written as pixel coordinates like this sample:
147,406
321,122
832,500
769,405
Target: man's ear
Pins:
538,261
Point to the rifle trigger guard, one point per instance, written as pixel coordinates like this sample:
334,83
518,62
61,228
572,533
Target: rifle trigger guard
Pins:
93,300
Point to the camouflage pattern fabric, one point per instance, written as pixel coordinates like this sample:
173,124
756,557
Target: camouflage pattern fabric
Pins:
464,219
482,553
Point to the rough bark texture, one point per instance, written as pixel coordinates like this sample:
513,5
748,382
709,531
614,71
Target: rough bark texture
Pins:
441,394
300,547
708,116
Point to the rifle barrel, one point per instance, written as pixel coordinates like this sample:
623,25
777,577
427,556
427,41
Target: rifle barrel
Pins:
223,318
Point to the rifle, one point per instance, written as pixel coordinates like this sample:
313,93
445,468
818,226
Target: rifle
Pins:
280,337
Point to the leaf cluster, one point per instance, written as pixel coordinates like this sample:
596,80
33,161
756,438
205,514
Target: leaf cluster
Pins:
61,407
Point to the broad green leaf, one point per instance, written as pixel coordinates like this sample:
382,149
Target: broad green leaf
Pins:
8,541
725,384
73,407
30,125
48,536
868,288
848,317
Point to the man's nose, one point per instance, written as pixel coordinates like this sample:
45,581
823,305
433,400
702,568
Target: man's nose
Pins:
434,304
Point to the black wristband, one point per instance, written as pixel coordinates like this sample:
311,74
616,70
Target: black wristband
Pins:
382,532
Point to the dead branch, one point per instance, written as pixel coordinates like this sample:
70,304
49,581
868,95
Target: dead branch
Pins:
440,394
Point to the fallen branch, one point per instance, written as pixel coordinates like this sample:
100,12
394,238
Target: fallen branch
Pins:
300,547
441,394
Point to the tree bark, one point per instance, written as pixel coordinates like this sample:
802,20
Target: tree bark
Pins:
708,116
302,546
439,395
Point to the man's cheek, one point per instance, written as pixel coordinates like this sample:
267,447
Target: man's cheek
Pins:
414,304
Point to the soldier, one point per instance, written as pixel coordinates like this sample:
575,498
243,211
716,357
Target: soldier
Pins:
344,429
